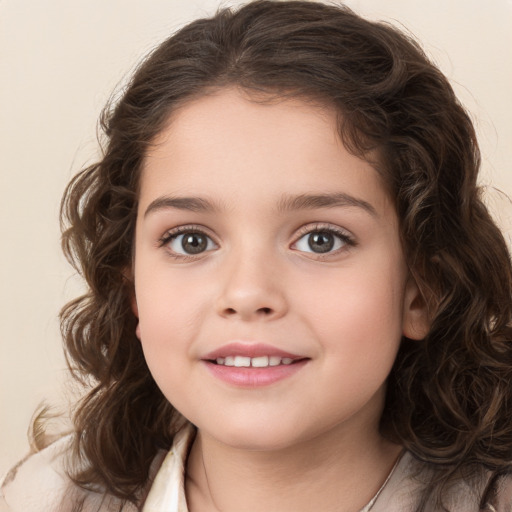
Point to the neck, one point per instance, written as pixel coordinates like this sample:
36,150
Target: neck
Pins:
332,472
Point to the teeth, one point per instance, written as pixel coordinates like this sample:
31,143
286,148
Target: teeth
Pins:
242,361
259,362
255,362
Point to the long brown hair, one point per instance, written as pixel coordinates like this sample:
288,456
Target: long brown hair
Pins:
449,395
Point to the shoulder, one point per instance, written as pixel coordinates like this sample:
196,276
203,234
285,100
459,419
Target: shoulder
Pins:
485,491
40,483
498,495
407,490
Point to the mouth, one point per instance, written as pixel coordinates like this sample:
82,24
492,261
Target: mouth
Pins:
252,365
254,362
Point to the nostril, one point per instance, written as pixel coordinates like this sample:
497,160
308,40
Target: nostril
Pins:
248,312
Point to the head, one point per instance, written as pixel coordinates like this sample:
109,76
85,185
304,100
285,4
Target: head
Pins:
393,110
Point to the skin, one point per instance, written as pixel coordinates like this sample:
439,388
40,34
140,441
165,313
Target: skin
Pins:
259,281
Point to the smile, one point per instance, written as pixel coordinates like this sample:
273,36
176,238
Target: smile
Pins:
250,365
254,362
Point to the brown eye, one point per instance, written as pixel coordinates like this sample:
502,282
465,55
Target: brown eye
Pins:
190,243
321,241
194,243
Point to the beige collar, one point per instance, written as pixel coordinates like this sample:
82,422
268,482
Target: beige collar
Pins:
167,493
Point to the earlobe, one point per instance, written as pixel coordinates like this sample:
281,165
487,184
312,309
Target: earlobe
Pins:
416,323
133,300
135,310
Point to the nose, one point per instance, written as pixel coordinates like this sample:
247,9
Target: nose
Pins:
252,288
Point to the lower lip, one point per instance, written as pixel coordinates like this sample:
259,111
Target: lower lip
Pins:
254,377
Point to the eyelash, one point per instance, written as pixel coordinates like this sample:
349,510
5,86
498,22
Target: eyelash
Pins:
170,235
347,240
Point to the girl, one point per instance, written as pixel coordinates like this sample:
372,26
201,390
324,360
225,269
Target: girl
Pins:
297,300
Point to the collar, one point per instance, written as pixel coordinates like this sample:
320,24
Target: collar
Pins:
167,493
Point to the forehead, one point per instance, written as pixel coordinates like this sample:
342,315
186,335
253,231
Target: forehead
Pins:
248,117
227,142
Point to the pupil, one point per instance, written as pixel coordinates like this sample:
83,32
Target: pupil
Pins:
193,243
321,242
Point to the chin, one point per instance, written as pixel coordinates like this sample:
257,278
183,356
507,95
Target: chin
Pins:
271,438
254,437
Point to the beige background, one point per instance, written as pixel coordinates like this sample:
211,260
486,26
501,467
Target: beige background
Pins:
59,61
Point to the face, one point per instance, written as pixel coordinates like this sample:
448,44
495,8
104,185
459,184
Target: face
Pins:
271,289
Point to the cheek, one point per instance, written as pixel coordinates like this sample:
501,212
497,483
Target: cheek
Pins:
163,312
164,301
165,337
358,313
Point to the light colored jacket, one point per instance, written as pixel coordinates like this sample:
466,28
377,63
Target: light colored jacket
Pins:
40,484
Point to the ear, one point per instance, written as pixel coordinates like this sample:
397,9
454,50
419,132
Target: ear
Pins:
416,322
135,310
128,274
134,306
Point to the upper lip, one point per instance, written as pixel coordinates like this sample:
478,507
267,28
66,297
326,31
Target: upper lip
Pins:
249,350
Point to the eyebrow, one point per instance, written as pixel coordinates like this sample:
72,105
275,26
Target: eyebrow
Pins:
285,204
192,204
313,201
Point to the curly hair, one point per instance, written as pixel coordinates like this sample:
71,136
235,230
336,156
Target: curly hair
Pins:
449,397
